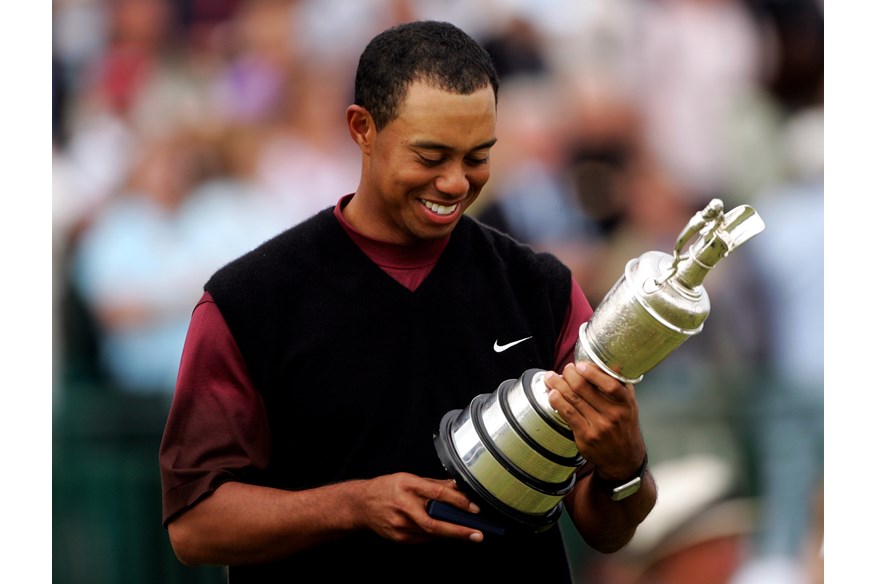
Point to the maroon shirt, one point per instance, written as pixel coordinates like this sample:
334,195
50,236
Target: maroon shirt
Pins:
217,429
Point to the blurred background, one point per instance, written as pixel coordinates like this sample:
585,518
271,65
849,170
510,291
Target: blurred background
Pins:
186,132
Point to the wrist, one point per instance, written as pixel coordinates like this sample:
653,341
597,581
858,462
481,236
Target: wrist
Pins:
619,489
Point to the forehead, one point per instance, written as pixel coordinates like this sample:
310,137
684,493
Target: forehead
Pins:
435,112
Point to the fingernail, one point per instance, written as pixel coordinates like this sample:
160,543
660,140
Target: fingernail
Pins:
476,537
474,508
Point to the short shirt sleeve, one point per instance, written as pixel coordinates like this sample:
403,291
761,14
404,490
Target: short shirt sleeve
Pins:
217,428
579,312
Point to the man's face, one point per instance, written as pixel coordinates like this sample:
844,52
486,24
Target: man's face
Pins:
429,165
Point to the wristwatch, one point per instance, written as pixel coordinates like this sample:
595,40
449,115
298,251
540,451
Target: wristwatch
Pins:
618,491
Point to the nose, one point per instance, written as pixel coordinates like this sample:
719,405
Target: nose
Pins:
453,181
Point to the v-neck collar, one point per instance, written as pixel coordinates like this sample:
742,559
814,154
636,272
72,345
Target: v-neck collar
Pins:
409,265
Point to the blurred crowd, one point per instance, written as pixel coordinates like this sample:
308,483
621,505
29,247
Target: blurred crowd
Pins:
186,132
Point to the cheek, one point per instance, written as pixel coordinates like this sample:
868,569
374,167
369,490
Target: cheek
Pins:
393,177
413,177
479,177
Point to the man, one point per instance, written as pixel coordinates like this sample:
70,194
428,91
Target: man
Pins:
299,443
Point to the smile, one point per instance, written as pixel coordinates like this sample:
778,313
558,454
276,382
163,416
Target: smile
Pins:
439,209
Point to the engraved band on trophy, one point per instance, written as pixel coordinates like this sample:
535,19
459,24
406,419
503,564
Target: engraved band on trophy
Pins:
511,450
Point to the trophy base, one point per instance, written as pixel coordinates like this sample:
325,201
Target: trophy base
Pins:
493,511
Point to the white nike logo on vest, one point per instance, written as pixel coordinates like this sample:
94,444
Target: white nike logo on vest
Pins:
499,348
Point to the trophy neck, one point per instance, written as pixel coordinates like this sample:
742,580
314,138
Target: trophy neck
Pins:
700,260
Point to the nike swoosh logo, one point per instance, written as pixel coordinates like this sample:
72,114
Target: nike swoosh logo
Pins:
499,348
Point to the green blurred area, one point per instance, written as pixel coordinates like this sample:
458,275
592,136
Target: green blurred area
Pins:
106,491
106,485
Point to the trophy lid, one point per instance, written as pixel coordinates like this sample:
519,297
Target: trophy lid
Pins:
720,234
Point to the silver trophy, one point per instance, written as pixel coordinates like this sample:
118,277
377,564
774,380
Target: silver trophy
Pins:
511,450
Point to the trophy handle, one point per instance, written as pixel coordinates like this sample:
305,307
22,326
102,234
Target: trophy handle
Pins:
711,214
742,223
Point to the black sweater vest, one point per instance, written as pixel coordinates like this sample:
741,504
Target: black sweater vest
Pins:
356,371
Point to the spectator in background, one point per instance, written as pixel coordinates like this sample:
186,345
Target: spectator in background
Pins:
561,167
697,533
102,130
305,159
695,60
249,87
141,262
787,409
533,197
517,49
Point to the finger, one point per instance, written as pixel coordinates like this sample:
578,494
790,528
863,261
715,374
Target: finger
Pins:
448,491
444,520
573,416
606,386
577,392
446,529
570,405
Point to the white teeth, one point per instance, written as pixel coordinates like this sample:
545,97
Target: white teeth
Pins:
440,209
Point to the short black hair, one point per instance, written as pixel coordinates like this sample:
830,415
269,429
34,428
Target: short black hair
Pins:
437,53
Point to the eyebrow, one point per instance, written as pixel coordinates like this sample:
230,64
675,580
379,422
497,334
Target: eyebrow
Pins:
427,145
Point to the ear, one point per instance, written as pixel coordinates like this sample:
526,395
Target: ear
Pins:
360,124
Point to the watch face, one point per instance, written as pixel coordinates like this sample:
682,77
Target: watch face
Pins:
625,490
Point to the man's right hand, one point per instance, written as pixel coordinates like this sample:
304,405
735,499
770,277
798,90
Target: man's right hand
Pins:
395,507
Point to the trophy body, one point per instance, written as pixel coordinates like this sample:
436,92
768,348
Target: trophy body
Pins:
511,450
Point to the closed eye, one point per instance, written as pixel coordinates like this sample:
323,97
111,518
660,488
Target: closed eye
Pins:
477,156
431,162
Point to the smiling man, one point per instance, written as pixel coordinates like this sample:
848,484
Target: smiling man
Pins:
422,170
299,442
